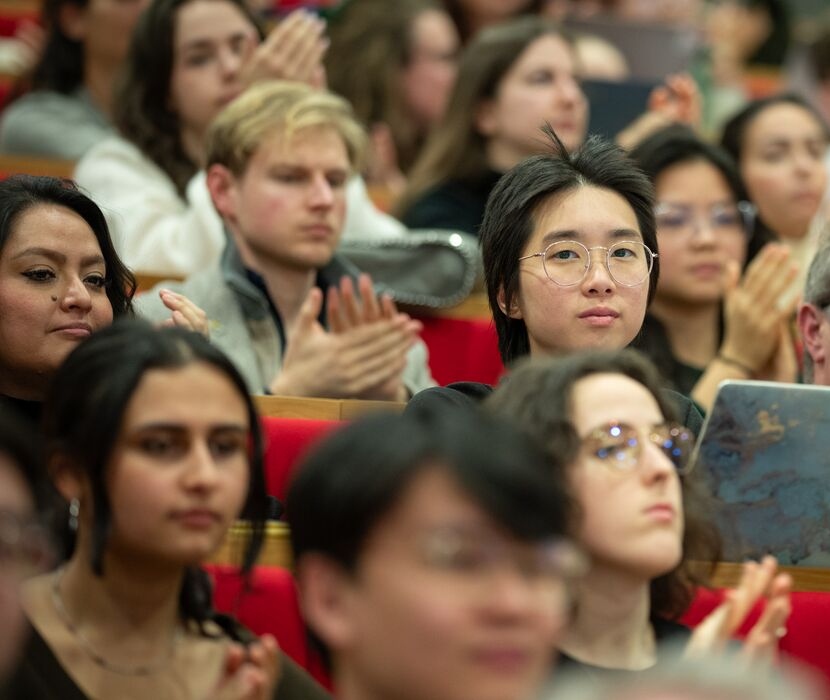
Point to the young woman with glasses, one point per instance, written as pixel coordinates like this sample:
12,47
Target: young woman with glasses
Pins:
614,442
706,324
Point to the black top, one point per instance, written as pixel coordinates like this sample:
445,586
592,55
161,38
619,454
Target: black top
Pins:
31,411
457,204
667,633
471,393
40,676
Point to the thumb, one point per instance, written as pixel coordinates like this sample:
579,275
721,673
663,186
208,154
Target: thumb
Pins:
731,277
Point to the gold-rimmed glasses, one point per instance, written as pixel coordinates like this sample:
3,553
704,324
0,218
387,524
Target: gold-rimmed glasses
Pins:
566,263
620,446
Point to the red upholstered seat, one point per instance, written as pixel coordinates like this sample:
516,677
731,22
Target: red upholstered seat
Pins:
462,349
287,441
270,605
807,627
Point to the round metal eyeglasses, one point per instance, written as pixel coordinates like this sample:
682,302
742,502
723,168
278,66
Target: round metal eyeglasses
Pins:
620,446
566,263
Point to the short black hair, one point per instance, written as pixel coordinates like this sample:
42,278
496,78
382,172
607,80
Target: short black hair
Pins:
518,196
84,412
537,396
20,193
353,478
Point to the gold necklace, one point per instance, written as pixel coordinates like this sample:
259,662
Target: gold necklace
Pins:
89,650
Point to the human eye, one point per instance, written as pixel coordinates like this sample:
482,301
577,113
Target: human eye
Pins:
676,442
337,180
196,59
726,216
614,443
454,552
773,155
161,445
564,252
540,76
288,177
627,250
673,218
96,281
228,444
39,274
816,149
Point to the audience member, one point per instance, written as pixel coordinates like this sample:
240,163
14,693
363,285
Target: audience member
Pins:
188,59
779,145
72,100
397,70
568,245
813,320
24,546
154,442
512,79
705,325
278,160
60,281
430,558
613,442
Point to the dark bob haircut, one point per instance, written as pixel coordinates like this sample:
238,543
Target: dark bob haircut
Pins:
85,409
356,476
142,108
678,144
20,193
538,396
516,200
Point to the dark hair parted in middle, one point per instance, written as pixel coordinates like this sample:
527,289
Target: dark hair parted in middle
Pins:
356,476
20,193
519,195
84,413
142,109
537,397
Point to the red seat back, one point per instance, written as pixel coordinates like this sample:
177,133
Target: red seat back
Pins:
286,442
270,605
462,349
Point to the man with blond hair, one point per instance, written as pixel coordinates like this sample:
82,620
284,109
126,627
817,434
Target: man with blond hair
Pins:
295,318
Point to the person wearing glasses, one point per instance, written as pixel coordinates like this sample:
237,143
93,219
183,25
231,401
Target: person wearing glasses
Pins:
614,443
707,323
814,319
431,557
569,249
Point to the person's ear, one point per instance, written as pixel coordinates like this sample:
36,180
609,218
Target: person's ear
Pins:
224,192
66,478
511,310
72,21
810,320
326,594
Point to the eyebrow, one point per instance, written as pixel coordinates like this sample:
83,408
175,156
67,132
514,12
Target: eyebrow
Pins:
621,234
58,257
209,43
179,428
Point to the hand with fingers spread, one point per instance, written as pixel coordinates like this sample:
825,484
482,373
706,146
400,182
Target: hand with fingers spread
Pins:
184,313
293,50
362,355
758,581
250,673
757,309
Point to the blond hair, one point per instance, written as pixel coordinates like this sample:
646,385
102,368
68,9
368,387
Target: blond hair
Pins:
281,107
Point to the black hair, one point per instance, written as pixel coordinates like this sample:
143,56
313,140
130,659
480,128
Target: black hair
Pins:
456,11
142,110
61,64
82,421
733,138
353,478
20,193
20,444
537,396
519,195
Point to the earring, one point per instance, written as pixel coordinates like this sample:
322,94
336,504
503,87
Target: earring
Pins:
74,512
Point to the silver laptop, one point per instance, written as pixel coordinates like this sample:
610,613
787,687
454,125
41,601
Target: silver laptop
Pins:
764,456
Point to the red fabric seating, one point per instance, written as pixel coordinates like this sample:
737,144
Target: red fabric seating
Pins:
286,442
462,349
270,605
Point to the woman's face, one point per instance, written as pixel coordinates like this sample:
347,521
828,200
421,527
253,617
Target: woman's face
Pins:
486,12
52,296
782,164
429,76
179,473
597,312
212,41
104,27
699,230
632,519
539,88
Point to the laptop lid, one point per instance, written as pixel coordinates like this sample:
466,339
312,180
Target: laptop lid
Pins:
764,456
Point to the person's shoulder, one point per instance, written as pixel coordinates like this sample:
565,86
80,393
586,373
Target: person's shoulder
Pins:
456,395
296,684
451,205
